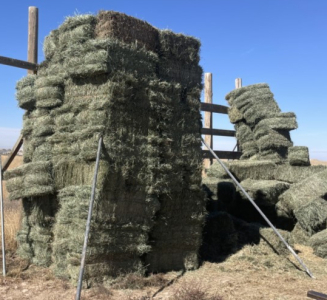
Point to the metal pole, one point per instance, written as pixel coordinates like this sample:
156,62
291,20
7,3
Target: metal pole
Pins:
88,223
259,210
2,225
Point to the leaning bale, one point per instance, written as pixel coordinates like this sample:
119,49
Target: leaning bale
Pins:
255,102
304,192
230,97
25,92
319,243
313,216
298,156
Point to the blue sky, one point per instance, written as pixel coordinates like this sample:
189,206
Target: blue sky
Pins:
280,42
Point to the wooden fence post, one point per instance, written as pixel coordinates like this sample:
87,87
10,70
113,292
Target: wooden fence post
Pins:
33,26
208,115
238,84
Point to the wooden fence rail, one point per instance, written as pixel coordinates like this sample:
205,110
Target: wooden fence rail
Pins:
209,108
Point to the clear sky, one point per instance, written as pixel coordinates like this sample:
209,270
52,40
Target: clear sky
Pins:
280,42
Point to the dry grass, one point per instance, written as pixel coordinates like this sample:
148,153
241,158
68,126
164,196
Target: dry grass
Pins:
12,212
316,162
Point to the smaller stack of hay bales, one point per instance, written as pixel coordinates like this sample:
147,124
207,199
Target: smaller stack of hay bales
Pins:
262,131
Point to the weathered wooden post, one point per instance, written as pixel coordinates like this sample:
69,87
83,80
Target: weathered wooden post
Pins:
238,84
33,26
207,114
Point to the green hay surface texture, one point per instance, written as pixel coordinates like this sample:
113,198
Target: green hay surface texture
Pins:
319,243
298,156
304,192
313,216
138,87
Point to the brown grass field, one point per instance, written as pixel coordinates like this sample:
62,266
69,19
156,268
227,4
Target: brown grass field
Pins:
248,274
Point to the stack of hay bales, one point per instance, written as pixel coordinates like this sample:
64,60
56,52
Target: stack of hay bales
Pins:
261,129
113,75
276,174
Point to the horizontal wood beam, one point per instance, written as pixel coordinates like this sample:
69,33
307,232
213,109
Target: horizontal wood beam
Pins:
316,295
18,63
13,153
219,132
216,108
222,154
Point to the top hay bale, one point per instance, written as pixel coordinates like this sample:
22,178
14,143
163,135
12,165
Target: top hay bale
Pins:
129,30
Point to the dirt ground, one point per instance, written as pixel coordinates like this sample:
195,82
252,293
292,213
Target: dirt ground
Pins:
244,275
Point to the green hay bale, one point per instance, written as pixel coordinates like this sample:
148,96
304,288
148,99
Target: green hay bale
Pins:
235,115
319,244
79,34
186,74
255,102
264,192
244,133
48,81
249,149
76,21
294,174
217,171
76,29
305,191
219,236
179,47
25,92
298,156
257,170
109,56
115,25
282,121
32,179
230,97
299,235
74,172
51,44
274,140
49,96
313,216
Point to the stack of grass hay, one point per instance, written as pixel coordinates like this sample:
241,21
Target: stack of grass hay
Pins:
138,87
276,174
